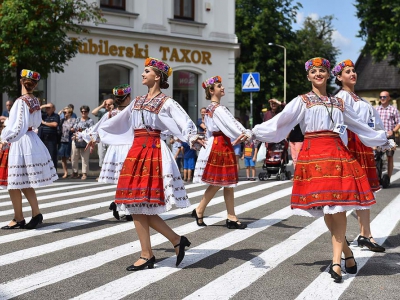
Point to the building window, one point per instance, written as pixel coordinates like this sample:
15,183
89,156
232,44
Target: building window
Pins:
116,4
185,92
184,9
109,77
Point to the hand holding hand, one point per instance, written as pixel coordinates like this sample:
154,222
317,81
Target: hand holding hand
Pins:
242,138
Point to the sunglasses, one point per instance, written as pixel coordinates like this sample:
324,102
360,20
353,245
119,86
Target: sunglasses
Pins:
84,111
382,97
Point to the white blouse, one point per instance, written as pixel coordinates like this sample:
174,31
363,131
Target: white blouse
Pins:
170,118
314,115
20,120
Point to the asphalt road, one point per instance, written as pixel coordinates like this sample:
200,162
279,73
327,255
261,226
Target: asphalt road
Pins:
81,251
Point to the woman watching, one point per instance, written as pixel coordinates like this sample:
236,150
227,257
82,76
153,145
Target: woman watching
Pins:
64,151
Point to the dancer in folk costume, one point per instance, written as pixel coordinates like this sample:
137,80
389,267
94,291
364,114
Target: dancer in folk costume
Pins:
328,180
346,77
216,164
29,161
150,181
116,154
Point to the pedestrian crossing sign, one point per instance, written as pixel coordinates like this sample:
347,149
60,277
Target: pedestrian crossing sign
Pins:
250,82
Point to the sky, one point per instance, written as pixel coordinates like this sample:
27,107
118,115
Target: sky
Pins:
345,23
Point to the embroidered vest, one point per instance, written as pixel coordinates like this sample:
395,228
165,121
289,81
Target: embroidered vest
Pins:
310,99
153,105
33,103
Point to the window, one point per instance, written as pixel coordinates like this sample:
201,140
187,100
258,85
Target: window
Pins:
184,9
116,4
109,77
185,92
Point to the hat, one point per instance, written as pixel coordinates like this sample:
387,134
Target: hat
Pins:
122,90
25,73
159,65
275,101
340,66
317,62
210,81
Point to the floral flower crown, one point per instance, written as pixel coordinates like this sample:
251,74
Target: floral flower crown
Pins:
159,65
30,74
210,81
122,90
317,62
340,66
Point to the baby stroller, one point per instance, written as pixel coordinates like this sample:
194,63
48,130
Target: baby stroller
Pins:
384,179
275,162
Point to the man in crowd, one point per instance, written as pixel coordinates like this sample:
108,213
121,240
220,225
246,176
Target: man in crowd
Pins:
48,131
6,112
391,122
99,112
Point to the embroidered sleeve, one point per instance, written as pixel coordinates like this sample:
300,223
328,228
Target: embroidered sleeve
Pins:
17,123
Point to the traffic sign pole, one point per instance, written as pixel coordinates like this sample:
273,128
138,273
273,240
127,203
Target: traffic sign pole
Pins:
251,110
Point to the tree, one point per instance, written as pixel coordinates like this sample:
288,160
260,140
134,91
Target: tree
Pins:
259,22
380,27
34,35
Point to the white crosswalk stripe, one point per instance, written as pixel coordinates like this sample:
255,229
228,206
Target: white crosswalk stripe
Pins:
80,239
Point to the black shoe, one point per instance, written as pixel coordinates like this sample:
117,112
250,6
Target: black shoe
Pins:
353,269
184,242
336,277
113,207
149,264
347,242
235,224
194,214
364,241
128,218
35,221
17,225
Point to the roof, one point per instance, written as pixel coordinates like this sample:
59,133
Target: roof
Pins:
376,75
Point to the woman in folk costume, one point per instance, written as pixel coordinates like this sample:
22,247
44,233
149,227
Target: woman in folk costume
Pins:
346,77
216,164
328,180
150,181
116,154
29,161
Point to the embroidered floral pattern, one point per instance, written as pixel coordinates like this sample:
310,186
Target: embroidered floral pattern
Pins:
153,105
310,99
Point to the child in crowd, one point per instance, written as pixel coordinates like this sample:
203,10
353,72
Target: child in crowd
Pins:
189,161
249,156
177,151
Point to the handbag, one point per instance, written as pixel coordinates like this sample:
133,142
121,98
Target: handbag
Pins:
80,144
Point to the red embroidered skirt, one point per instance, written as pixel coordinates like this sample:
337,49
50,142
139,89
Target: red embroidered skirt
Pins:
4,167
327,174
221,168
365,157
140,182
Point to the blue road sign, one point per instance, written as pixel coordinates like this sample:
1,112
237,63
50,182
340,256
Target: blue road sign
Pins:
250,82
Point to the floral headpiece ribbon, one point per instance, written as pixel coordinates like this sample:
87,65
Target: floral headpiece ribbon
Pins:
159,65
340,66
122,90
211,81
317,62
30,74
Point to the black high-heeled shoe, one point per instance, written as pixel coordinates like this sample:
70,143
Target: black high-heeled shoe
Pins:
184,242
364,241
194,214
336,277
17,225
35,221
149,263
235,224
347,242
113,207
353,269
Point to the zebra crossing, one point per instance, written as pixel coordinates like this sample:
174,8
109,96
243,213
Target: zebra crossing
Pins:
81,252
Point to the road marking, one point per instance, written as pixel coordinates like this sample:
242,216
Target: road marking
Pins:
52,275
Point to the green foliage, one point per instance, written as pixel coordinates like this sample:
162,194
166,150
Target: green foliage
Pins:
34,35
380,28
259,22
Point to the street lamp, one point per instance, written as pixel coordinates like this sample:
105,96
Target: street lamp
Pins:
284,69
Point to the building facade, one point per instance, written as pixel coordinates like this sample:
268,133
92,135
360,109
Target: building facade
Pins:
195,37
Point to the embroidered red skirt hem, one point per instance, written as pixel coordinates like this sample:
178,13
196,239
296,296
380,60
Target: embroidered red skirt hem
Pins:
141,181
365,157
327,174
221,168
4,167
